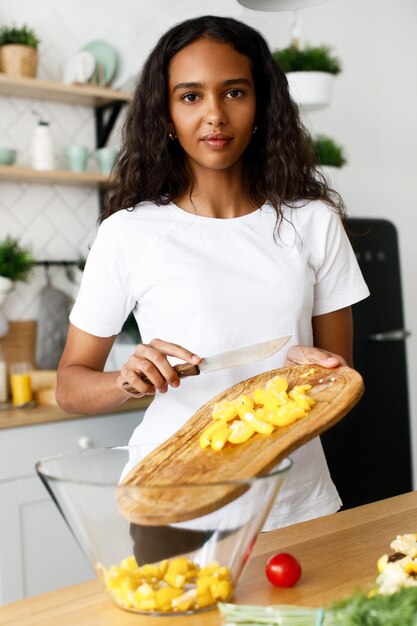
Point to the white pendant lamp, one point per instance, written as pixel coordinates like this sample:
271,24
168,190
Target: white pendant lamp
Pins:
278,5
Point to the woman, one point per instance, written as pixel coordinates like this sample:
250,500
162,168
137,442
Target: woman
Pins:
220,234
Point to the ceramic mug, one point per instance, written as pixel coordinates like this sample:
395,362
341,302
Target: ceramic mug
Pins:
77,157
105,159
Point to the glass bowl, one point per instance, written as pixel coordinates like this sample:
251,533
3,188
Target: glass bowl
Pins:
177,568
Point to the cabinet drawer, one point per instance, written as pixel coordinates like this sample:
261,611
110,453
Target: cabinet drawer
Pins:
21,448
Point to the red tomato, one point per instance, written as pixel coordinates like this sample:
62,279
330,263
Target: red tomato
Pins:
283,570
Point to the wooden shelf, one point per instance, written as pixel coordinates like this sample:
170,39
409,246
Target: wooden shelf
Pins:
84,95
15,173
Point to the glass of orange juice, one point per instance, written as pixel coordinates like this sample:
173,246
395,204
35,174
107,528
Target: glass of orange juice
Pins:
20,384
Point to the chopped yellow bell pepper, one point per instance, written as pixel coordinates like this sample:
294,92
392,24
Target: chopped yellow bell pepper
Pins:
274,401
185,601
288,414
300,399
164,597
150,571
263,411
302,388
220,437
260,396
174,579
181,565
163,568
224,410
277,384
207,434
259,425
244,403
204,598
209,569
143,603
130,563
180,584
240,432
220,589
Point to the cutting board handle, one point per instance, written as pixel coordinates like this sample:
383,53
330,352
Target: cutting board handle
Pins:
183,370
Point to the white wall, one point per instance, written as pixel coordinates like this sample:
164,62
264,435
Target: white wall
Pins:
372,113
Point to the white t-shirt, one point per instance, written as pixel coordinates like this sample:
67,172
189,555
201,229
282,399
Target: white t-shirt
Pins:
212,285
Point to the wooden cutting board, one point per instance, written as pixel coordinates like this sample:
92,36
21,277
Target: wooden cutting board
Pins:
180,460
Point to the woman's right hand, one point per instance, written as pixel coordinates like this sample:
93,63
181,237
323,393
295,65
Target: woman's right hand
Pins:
150,360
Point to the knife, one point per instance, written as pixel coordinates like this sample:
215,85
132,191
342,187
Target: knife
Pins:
225,360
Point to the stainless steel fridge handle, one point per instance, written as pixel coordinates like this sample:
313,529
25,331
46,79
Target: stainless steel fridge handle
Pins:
390,335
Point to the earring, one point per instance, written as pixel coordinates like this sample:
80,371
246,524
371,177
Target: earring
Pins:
172,136
254,130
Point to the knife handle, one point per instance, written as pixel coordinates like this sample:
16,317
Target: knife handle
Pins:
183,370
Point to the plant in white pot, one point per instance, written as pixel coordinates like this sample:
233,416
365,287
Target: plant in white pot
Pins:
16,263
310,73
330,156
18,51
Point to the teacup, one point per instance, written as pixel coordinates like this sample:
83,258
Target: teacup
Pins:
105,159
77,157
7,156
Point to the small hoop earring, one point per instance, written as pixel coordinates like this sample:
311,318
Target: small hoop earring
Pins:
172,136
254,130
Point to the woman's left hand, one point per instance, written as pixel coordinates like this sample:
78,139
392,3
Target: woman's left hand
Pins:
305,355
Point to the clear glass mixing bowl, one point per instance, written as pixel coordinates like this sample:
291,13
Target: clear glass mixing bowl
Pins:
175,568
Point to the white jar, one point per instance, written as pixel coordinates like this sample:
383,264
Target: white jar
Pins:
42,150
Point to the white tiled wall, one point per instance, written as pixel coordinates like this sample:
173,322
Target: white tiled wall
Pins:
57,222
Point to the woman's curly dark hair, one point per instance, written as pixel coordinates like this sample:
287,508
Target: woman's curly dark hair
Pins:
278,165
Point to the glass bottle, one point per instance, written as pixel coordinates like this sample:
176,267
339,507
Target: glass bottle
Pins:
3,377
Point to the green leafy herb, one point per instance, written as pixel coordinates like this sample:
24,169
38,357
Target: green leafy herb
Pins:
398,609
307,59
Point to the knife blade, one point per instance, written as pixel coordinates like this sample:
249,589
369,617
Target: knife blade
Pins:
226,360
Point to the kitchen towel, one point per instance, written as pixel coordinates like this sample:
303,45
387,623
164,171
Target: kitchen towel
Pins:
54,309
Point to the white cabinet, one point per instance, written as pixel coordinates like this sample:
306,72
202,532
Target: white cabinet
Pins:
38,553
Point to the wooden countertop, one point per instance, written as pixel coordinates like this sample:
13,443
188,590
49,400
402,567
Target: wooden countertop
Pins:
11,417
338,554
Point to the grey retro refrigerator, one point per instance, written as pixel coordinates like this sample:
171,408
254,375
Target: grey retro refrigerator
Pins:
369,451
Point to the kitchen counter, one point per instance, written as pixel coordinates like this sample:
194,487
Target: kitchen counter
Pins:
338,554
11,417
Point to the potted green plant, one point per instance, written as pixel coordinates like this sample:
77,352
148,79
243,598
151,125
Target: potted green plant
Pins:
18,51
310,73
330,156
328,152
16,263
